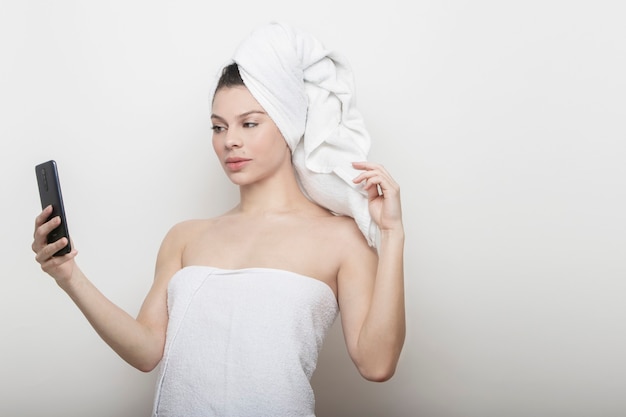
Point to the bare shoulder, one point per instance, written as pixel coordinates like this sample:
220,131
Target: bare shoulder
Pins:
350,242
186,230
187,226
170,257
357,260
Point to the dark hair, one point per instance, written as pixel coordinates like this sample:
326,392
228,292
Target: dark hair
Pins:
230,77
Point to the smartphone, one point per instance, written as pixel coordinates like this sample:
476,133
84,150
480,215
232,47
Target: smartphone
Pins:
50,194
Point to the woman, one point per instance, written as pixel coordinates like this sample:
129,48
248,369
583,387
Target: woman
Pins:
241,303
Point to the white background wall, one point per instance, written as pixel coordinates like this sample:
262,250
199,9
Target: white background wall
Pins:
504,123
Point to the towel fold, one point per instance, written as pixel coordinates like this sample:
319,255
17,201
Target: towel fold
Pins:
308,91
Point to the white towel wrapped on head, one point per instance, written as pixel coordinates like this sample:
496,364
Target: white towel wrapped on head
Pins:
308,91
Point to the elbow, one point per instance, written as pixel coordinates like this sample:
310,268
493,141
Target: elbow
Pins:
146,367
379,366
147,360
146,364
382,374
379,372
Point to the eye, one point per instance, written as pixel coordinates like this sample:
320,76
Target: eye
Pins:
250,124
217,129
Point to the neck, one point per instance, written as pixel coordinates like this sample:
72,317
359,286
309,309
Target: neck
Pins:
278,194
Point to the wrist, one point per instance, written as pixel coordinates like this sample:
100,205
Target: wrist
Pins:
394,234
71,283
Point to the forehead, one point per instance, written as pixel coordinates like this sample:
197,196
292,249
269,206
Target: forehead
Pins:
229,101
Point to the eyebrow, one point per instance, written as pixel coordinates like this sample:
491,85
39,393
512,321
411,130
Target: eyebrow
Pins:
241,116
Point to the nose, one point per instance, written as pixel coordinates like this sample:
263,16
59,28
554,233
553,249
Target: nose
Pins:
233,139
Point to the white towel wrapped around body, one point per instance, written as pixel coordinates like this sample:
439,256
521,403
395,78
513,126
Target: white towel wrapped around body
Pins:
242,343
308,91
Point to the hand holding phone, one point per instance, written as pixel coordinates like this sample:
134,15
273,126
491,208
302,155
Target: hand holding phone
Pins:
50,194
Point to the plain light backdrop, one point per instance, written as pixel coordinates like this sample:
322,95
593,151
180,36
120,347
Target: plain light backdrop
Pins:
503,122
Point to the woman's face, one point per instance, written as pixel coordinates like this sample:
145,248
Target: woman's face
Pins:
245,139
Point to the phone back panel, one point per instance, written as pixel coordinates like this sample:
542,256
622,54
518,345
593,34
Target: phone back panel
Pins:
50,194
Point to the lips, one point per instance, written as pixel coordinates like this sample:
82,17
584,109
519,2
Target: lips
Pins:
236,163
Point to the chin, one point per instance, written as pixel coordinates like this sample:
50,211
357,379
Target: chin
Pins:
240,180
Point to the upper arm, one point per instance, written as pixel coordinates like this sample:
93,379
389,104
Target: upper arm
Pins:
153,312
355,286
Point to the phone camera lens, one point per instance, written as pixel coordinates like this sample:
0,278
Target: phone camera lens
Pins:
44,178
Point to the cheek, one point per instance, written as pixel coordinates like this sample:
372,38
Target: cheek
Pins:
281,151
217,148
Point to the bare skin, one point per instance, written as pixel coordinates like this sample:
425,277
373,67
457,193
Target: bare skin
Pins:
273,226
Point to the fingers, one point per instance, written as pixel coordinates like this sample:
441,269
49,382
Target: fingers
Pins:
43,216
47,251
42,230
59,267
52,264
375,177
43,227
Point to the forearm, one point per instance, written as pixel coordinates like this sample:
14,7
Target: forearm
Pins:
382,335
133,341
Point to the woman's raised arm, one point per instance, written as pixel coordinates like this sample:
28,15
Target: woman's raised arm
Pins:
371,286
139,341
